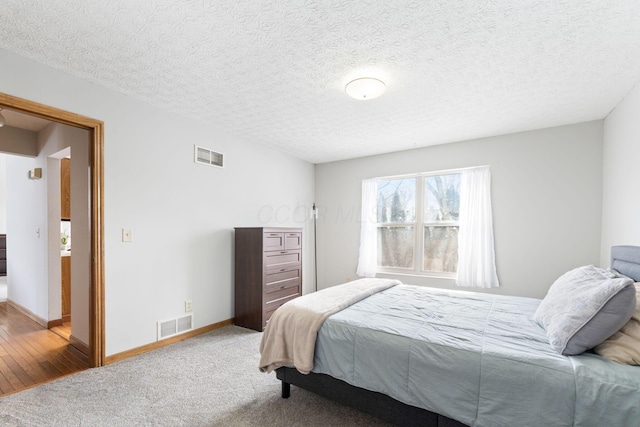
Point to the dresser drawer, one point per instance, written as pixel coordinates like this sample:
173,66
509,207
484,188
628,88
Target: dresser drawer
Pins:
281,259
269,308
278,276
273,296
292,241
273,242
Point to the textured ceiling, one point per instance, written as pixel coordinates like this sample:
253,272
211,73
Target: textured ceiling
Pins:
273,71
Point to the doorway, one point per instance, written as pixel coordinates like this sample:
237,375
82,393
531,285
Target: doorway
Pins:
96,141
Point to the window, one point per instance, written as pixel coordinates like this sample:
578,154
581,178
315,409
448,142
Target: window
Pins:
429,224
417,224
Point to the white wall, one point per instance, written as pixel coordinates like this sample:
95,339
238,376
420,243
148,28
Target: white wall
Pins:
55,142
621,187
546,189
181,214
27,236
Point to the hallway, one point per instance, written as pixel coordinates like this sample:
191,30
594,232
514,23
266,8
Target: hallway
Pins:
30,354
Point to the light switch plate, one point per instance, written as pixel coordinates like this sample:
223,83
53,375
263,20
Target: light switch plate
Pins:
126,235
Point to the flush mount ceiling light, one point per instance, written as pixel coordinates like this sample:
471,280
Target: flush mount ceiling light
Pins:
2,119
365,88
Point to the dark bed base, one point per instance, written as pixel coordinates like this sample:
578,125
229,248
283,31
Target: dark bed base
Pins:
377,404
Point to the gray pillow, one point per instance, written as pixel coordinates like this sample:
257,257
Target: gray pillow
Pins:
584,307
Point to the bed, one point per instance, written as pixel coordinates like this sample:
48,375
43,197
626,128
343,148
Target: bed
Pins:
431,357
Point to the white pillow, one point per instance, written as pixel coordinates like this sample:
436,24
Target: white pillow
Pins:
584,307
624,345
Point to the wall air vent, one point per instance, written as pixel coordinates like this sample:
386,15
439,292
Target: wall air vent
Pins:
208,157
178,325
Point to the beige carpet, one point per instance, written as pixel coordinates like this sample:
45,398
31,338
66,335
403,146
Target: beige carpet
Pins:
209,380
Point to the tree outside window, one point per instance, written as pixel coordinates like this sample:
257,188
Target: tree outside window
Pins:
417,220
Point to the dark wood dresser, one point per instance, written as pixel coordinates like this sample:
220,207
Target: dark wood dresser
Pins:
3,254
268,272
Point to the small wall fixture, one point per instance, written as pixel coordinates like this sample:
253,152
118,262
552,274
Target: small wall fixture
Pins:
35,173
365,88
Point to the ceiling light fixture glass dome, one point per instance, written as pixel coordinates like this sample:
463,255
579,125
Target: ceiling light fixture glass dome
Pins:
365,88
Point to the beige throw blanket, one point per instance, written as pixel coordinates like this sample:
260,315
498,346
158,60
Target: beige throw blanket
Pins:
290,336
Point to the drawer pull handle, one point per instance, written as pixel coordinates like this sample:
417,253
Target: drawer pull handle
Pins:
283,252
282,269
282,287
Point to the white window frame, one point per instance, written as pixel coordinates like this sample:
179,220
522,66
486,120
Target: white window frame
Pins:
419,227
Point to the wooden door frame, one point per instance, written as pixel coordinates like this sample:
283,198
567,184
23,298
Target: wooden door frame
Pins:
96,186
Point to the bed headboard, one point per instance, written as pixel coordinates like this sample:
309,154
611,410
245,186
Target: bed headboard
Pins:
626,260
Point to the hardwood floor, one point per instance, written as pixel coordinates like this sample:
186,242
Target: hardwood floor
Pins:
32,355
64,331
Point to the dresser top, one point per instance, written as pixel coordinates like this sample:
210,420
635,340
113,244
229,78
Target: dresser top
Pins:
271,229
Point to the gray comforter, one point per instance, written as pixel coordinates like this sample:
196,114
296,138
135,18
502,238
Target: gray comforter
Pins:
476,358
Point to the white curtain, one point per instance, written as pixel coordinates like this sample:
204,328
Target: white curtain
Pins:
368,260
476,255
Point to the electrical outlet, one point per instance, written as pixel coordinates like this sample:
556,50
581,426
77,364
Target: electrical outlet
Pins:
126,235
187,306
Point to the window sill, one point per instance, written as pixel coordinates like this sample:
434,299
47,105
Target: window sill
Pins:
426,276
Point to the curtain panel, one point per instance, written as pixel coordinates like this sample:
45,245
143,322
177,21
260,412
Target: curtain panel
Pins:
368,259
476,254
